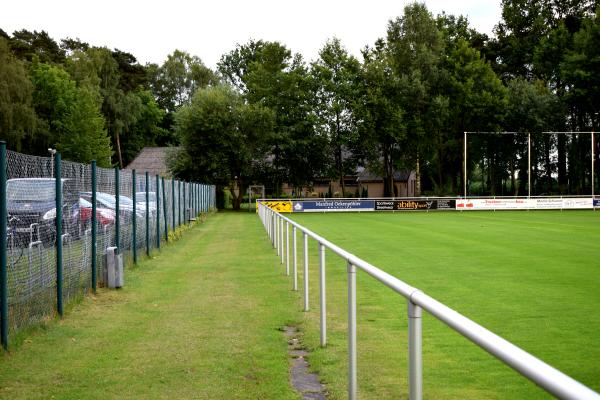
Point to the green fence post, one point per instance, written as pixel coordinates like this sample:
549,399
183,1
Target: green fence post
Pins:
134,218
58,221
165,212
158,211
147,213
173,201
117,212
3,249
94,230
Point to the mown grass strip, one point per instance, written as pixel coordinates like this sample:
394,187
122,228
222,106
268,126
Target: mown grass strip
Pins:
201,319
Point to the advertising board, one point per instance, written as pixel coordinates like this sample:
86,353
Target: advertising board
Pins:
493,204
545,203
333,205
578,203
282,206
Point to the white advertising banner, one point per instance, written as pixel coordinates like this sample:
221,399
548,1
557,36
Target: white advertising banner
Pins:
546,203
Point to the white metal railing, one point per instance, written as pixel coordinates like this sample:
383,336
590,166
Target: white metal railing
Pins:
547,377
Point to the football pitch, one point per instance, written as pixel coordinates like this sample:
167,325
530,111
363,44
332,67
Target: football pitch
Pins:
531,277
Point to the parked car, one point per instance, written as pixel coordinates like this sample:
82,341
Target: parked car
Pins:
31,206
140,198
107,200
104,216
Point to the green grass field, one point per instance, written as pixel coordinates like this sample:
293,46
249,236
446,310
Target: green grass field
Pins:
531,277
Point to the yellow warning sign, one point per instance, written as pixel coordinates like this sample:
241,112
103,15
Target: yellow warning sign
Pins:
279,206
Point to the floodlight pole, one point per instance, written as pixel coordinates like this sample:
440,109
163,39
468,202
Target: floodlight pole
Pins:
465,167
528,165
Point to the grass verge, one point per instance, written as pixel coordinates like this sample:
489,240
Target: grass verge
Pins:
201,320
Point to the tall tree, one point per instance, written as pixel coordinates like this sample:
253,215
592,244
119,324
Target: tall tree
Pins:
478,103
69,117
522,27
223,139
381,124
270,76
28,45
336,74
175,82
17,116
84,137
415,45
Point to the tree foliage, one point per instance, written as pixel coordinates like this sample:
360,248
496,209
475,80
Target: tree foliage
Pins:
17,115
223,139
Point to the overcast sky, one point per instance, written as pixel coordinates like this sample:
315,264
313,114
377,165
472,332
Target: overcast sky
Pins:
151,29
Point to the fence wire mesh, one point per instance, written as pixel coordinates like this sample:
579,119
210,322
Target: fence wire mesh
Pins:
31,226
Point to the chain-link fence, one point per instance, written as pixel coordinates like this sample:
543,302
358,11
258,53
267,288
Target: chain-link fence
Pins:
48,258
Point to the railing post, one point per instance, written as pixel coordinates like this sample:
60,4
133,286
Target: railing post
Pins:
148,213
134,218
276,238
59,246
295,263
273,229
323,301
287,248
415,361
281,236
94,230
306,308
3,249
352,380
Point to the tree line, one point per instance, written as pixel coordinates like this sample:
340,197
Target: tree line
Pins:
267,116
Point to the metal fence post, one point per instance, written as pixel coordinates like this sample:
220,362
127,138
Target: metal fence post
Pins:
94,229
281,238
306,308
295,263
173,202
58,221
276,238
165,212
179,200
117,212
3,250
185,205
147,213
273,232
415,361
287,248
134,219
158,211
352,381
323,301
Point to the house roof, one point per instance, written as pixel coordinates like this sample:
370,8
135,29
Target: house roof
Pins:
153,160
368,176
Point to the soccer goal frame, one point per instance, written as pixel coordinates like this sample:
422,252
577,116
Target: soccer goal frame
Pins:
255,189
592,133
